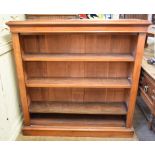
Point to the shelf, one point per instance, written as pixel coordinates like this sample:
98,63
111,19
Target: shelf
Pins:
78,83
79,108
78,57
78,126
78,121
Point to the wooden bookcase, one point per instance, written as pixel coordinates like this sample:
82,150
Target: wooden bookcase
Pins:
78,77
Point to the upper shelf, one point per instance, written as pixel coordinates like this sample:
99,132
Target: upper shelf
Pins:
78,25
78,57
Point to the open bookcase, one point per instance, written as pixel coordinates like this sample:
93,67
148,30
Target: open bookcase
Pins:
78,77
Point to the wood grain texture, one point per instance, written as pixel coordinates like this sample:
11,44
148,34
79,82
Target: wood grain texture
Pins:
76,26
78,83
79,57
147,100
73,125
77,95
74,120
73,43
146,91
21,78
135,78
78,69
80,22
79,108
78,132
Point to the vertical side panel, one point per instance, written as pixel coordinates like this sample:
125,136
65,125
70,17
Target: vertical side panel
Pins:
135,78
21,78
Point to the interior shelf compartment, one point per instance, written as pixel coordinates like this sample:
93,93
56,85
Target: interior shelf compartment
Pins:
77,121
79,82
78,57
79,108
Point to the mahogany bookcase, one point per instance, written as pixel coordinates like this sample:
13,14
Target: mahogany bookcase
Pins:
78,77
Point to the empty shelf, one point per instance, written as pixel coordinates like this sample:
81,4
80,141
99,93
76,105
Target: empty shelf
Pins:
79,108
78,82
78,57
78,121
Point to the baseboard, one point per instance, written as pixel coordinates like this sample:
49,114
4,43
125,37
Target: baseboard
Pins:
109,132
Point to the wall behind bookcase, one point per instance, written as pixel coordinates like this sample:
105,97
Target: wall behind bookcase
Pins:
10,114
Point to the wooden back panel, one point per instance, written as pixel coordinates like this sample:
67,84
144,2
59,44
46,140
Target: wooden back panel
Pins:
78,69
78,43
77,95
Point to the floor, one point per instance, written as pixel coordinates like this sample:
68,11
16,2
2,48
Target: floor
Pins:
48,138
140,125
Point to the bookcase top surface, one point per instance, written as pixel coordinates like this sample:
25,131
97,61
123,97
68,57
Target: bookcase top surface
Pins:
78,22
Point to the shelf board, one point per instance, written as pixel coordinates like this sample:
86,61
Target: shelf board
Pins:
78,57
78,82
77,121
78,126
79,108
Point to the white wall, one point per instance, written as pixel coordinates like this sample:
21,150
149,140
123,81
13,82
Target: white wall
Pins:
10,114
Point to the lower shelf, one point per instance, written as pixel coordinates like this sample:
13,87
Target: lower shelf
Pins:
78,126
116,108
73,120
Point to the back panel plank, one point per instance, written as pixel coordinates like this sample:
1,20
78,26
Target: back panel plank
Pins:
77,95
78,69
77,43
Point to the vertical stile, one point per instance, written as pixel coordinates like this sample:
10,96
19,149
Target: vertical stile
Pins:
135,78
21,78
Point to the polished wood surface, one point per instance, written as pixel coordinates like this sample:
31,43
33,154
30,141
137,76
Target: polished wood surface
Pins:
78,57
78,26
80,22
79,108
78,94
21,78
79,43
135,77
71,125
84,71
78,83
78,132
